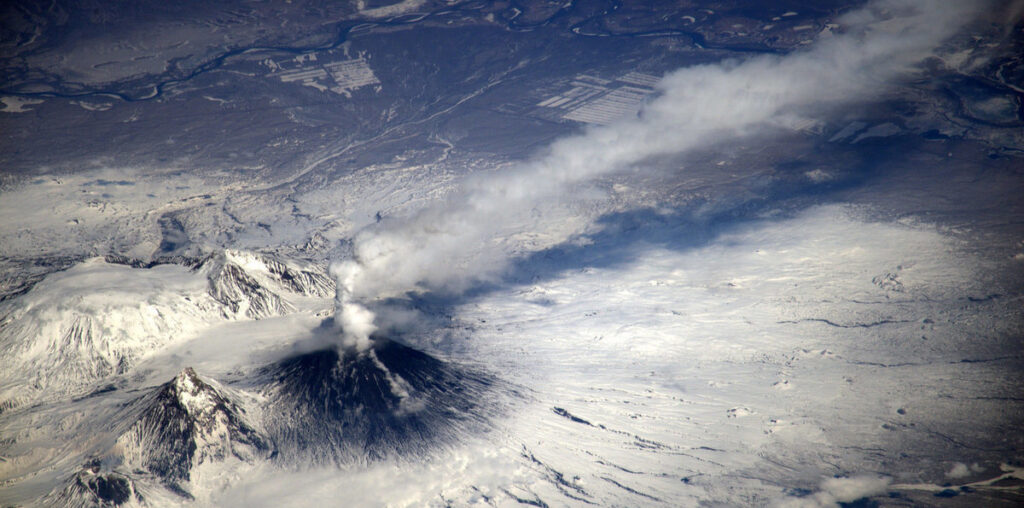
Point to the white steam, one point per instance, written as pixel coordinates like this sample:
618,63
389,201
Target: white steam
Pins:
453,243
354,320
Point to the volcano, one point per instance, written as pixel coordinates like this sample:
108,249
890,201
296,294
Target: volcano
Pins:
391,400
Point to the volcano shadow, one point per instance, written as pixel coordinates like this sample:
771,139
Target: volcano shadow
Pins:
390,401
616,238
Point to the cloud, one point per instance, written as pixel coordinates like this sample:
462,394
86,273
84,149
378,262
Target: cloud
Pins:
842,490
961,470
453,243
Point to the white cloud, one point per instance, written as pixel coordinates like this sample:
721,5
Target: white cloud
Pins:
842,490
959,470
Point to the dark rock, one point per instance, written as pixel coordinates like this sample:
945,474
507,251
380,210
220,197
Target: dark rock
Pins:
390,400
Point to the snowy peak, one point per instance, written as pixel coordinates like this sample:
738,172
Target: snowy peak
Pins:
102,316
96,358
200,401
92,321
252,285
243,294
186,423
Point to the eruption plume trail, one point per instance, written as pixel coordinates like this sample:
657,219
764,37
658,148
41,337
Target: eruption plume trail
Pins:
448,245
354,320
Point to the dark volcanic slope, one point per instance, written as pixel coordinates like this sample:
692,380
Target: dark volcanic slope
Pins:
392,400
90,487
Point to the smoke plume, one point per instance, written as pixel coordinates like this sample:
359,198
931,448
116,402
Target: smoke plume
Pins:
451,244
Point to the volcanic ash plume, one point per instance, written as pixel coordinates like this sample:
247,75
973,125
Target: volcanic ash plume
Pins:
450,245
353,319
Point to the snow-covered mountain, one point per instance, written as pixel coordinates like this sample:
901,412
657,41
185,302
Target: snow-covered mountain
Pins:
255,286
587,253
186,438
98,318
183,425
166,444
82,332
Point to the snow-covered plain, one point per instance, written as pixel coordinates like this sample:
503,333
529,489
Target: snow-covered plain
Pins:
779,354
774,358
797,358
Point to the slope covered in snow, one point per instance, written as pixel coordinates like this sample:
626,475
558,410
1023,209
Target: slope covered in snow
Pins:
183,425
98,319
94,321
749,369
255,286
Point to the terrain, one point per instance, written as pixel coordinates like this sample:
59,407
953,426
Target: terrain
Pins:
817,306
